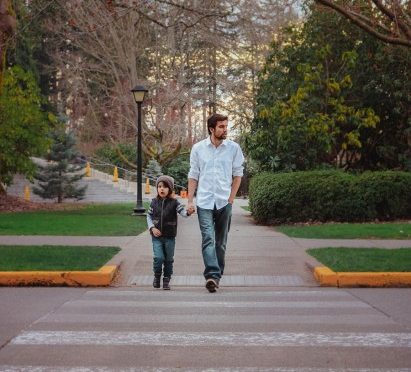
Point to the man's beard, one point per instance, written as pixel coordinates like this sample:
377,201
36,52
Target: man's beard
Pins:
221,137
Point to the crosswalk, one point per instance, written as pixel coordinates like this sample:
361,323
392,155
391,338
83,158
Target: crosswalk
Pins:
188,329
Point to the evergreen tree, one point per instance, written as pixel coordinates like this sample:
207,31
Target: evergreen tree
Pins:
153,169
58,178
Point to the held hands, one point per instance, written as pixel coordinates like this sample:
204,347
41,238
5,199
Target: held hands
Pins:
190,211
156,232
190,208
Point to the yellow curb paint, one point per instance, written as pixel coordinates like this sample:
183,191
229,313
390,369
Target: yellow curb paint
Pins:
370,279
327,277
102,277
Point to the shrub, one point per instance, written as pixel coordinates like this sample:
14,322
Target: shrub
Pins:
108,153
330,196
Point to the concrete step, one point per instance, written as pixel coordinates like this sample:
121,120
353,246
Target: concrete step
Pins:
97,191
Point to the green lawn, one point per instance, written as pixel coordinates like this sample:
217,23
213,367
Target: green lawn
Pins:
92,220
393,230
363,259
54,258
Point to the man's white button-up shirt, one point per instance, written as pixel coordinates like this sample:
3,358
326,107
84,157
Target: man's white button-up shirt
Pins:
214,169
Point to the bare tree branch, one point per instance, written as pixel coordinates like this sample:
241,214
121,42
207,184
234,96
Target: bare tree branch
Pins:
369,25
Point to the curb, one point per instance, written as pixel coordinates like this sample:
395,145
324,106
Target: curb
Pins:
100,278
328,278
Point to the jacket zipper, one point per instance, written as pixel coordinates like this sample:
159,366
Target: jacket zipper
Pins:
161,218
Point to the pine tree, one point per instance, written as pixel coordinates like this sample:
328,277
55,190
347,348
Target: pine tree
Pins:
58,178
153,169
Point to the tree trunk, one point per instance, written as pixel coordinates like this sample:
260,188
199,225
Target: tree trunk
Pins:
7,29
3,190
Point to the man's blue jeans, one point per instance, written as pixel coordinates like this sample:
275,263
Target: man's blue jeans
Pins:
163,254
214,226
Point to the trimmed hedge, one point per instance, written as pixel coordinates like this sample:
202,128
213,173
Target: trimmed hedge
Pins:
330,196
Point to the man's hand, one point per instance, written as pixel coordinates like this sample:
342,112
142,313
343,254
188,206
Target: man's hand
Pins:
231,201
156,232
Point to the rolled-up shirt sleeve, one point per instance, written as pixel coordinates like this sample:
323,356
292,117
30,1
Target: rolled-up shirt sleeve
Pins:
238,163
194,164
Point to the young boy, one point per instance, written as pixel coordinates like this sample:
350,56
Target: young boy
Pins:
162,222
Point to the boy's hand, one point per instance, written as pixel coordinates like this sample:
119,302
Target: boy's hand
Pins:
156,232
191,208
190,212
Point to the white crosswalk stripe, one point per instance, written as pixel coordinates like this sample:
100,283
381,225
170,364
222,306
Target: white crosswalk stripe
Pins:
148,369
217,319
237,295
227,280
215,339
226,304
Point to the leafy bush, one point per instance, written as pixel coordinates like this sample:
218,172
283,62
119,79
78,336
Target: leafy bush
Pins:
109,154
24,124
330,196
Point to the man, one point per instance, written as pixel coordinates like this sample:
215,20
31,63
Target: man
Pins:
216,168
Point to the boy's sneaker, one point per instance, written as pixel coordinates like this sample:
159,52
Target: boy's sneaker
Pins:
156,281
166,283
212,285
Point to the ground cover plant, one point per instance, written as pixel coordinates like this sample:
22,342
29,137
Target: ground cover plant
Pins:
364,259
90,220
54,258
394,230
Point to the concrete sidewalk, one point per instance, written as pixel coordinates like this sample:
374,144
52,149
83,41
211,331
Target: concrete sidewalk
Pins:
256,255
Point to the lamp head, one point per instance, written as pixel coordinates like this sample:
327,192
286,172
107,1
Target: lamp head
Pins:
139,92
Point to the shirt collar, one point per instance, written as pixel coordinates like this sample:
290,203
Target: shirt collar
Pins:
208,142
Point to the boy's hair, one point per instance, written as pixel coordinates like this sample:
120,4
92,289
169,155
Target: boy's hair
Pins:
213,119
168,181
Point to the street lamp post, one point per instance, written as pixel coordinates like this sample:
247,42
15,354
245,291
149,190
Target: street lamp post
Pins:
139,93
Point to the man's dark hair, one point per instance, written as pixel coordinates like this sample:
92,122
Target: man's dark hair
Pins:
213,119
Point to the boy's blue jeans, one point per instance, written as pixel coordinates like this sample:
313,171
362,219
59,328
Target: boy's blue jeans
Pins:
163,254
214,226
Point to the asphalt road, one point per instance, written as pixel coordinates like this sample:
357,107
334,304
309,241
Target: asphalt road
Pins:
251,329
